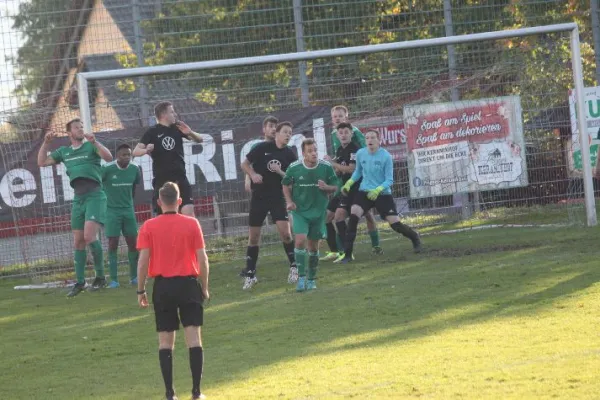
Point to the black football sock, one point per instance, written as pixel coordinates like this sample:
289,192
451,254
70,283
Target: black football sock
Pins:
405,230
351,235
331,238
251,259
342,230
289,252
196,361
165,358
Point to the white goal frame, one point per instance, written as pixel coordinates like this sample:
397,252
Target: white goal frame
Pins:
572,28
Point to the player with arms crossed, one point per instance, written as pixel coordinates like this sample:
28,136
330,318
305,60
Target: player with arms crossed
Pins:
164,143
374,165
339,114
119,179
306,187
88,211
266,164
269,126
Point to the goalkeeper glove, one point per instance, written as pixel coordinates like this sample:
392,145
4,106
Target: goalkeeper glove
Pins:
347,186
373,194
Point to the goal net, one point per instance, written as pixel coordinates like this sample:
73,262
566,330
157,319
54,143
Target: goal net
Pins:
479,127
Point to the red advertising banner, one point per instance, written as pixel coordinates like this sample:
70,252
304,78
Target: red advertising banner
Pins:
475,124
393,138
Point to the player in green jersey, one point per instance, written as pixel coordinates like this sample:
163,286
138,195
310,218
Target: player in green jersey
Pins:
88,212
339,115
119,179
306,186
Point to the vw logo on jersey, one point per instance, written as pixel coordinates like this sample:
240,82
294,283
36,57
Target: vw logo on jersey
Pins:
168,143
272,163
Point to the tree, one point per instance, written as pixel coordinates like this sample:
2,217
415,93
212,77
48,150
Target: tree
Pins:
42,24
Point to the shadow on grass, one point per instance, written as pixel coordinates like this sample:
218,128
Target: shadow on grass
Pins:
461,279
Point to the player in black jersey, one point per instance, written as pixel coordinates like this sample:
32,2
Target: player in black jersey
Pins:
266,164
268,129
164,143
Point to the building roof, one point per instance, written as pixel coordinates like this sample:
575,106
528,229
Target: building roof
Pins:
122,13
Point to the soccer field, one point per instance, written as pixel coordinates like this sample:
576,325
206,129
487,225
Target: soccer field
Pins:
490,314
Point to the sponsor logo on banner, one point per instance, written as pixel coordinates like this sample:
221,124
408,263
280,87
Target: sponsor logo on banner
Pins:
211,167
392,135
592,121
465,146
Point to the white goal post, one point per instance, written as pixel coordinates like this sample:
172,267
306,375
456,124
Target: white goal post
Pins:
571,28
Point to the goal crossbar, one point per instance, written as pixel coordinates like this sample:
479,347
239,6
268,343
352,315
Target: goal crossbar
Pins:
572,28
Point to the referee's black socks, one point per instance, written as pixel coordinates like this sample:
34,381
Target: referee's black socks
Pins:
289,251
196,361
165,357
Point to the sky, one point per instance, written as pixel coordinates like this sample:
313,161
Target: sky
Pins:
9,44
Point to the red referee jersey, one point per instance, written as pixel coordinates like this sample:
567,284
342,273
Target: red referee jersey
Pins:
172,240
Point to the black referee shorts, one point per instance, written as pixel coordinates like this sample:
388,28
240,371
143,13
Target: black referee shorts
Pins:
384,204
185,191
261,205
177,299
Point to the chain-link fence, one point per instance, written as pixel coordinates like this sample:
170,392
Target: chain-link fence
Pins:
48,42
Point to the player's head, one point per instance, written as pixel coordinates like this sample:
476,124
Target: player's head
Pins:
269,127
75,130
344,133
283,133
339,114
124,155
309,151
168,197
372,139
165,113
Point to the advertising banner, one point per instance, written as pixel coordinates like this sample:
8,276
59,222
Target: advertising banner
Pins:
465,146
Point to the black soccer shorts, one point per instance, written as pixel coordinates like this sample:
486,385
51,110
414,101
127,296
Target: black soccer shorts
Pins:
384,204
185,191
177,299
261,205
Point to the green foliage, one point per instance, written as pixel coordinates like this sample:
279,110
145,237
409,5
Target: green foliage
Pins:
43,24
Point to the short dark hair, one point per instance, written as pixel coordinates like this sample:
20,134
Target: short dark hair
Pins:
308,142
161,108
375,131
270,119
344,125
282,124
169,193
71,122
123,146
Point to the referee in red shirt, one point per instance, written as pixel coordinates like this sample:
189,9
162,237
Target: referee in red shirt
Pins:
172,252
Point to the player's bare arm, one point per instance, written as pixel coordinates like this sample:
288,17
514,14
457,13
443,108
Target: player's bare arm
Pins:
325,187
141,150
247,168
43,159
188,132
103,152
143,262
287,194
204,271
247,183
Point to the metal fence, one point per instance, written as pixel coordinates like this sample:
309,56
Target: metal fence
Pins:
49,41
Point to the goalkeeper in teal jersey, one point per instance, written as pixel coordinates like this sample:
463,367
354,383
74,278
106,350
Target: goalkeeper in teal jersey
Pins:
119,179
374,165
306,186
